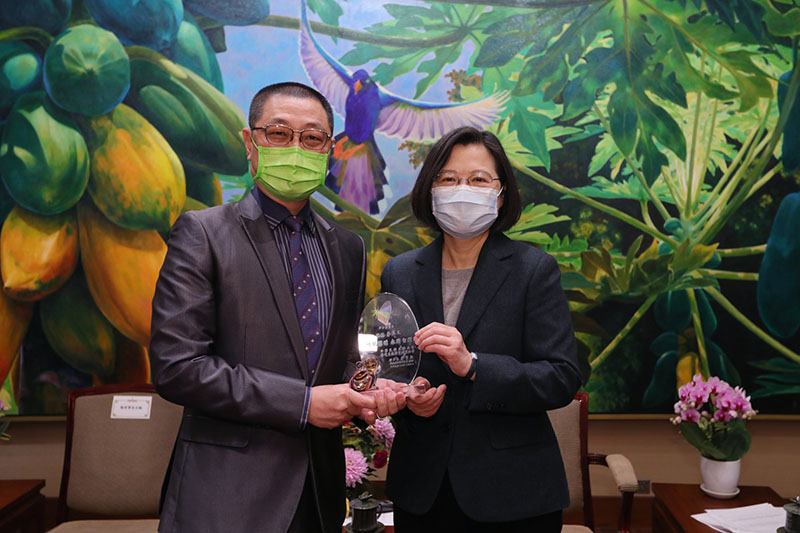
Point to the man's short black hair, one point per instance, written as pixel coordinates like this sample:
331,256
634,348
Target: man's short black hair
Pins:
421,202
287,88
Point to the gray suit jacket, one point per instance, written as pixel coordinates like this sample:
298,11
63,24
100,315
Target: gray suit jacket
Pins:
226,344
492,436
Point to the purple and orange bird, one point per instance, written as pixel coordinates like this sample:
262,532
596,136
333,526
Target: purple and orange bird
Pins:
356,169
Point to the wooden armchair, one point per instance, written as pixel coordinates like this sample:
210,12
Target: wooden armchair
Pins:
114,467
571,427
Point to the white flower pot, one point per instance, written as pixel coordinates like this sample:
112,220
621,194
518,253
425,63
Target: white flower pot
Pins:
720,478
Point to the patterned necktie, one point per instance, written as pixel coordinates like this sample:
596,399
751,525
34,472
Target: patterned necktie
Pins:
305,295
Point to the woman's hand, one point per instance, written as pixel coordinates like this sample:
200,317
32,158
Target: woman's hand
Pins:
447,343
425,404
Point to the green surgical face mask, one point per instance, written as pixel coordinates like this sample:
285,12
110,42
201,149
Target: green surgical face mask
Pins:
290,174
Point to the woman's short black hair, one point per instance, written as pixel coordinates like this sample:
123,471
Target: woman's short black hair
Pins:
421,202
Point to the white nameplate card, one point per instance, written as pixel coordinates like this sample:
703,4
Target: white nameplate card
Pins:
131,407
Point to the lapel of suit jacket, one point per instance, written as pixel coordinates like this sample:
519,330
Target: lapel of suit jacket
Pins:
428,284
266,248
327,236
490,271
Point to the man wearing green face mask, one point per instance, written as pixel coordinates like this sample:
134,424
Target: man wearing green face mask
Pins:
254,332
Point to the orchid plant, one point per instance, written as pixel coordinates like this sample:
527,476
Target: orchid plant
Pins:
711,416
366,449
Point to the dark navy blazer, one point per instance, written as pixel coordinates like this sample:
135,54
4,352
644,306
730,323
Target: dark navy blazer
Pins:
491,436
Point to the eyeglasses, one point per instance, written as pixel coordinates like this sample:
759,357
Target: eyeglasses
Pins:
281,135
475,179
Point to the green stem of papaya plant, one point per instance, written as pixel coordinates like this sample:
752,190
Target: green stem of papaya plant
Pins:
709,206
690,171
764,180
761,163
646,214
698,331
721,203
742,252
624,331
278,21
728,274
344,205
27,33
706,156
675,192
746,322
637,172
616,213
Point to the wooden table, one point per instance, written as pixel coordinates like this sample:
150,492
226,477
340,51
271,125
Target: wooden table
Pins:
675,503
21,506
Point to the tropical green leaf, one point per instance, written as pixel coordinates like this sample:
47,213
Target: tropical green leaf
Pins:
328,10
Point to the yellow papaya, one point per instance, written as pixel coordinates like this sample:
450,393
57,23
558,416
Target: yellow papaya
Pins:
77,330
37,253
137,180
14,319
133,364
121,269
688,365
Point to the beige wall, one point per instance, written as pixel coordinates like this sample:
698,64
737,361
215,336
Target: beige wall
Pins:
655,448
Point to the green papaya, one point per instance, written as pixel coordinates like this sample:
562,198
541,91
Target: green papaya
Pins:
203,186
234,12
77,330
137,181
20,72
6,203
672,311
50,15
779,275
661,389
43,157
86,70
37,254
193,50
152,23
198,121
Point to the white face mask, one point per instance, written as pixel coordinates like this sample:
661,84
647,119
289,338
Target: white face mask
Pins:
464,211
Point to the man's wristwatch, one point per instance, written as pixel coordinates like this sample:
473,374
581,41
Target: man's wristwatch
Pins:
472,367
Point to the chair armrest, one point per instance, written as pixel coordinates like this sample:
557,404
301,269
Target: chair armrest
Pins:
622,470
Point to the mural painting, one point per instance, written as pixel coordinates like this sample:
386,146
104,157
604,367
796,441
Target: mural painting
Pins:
656,144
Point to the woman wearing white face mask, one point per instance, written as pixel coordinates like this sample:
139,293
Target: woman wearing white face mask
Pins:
476,452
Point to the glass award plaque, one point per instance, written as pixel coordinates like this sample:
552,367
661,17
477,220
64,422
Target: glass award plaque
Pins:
386,345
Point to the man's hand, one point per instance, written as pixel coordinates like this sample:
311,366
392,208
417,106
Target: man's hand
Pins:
387,401
425,404
447,343
333,405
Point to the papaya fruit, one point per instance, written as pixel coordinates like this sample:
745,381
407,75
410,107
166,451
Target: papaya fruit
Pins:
43,157
779,275
203,186
790,149
6,203
77,330
193,50
672,311
86,70
50,15
199,122
193,205
14,320
151,23
121,268
234,12
20,72
132,366
37,254
137,181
